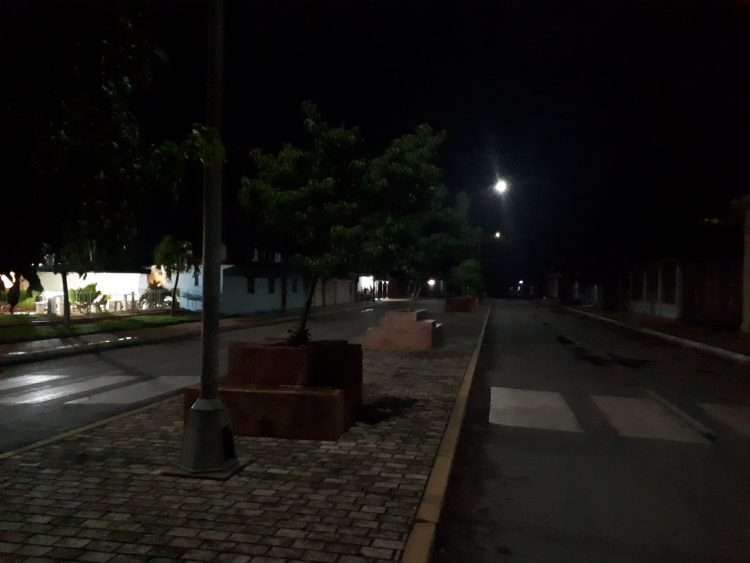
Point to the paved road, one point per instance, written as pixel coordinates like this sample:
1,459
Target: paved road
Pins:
572,449
43,399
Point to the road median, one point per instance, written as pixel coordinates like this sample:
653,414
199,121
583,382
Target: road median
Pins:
350,500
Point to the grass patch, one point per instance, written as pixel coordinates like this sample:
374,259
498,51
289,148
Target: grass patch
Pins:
26,331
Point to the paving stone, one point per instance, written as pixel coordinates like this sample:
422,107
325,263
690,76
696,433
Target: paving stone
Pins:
352,559
199,555
33,550
388,544
96,557
376,553
320,557
233,558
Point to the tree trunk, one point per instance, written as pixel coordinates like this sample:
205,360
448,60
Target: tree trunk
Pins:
66,300
283,289
415,294
301,335
323,293
174,293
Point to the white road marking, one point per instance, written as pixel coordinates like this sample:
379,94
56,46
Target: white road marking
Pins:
545,410
24,380
645,418
735,416
139,391
61,391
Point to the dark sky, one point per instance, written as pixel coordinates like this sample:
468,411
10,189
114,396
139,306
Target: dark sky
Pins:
614,121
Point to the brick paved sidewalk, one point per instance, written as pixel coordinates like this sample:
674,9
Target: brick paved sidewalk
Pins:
98,496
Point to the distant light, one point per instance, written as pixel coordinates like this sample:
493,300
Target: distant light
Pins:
431,282
498,234
501,186
520,282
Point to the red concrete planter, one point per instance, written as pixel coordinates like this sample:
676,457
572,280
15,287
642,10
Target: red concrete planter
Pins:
305,392
461,304
302,413
404,330
322,363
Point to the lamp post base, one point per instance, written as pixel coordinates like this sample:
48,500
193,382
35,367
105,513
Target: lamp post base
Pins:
208,443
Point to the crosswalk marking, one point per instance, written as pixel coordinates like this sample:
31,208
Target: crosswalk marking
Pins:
139,391
24,380
735,416
44,395
645,418
545,410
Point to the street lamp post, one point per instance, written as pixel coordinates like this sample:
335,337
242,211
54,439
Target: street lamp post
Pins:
208,443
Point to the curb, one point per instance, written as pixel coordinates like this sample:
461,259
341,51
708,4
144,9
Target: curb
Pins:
700,346
421,539
129,341
699,427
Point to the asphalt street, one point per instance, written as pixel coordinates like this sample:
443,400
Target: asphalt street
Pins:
43,399
585,442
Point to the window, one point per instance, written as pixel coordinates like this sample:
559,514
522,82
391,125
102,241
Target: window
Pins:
294,284
251,285
271,285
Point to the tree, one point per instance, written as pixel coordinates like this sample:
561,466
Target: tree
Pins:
413,229
466,278
99,174
74,254
174,256
306,202
14,293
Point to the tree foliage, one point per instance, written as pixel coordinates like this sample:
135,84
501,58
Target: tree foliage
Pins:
413,227
466,278
307,201
175,256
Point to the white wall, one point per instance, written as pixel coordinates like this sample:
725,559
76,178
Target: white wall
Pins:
337,292
237,300
115,284
658,307
235,296
295,300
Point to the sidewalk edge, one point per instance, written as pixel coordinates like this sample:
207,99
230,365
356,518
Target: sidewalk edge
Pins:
701,346
419,544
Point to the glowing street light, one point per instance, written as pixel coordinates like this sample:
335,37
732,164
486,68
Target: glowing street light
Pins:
501,186
498,235
520,282
431,283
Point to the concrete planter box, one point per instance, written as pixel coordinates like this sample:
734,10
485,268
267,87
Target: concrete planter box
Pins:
461,304
309,392
404,330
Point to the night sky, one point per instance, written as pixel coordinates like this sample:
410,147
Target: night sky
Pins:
615,122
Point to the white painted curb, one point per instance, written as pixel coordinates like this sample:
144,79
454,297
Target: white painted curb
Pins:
701,346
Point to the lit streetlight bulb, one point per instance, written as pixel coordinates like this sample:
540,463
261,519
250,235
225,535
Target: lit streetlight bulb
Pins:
498,235
501,186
